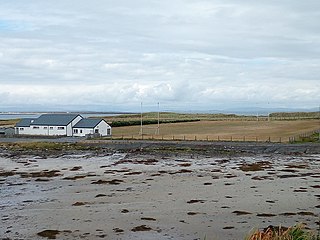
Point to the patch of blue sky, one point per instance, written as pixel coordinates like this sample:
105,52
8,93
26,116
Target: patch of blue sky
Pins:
13,26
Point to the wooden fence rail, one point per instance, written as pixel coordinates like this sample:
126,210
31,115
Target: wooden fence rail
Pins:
204,138
217,138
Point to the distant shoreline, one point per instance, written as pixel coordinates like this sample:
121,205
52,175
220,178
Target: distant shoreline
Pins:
18,115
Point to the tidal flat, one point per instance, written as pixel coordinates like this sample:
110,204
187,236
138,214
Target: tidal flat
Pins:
145,195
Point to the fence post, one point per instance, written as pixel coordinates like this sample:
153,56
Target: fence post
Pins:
172,137
256,139
195,138
269,139
207,138
218,139
231,138
280,140
244,138
184,138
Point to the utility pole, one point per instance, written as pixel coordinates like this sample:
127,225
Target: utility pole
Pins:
268,113
141,127
158,118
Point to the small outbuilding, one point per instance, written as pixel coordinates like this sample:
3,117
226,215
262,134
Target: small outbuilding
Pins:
91,126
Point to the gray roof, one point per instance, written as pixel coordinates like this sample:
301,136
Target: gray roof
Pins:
24,122
88,123
55,119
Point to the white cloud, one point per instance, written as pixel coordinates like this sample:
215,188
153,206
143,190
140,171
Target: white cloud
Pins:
182,53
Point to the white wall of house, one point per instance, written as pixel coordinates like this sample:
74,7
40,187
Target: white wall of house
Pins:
101,128
39,130
70,126
44,130
81,132
57,131
23,130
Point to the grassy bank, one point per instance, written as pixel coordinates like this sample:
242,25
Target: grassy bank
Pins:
45,146
308,137
298,232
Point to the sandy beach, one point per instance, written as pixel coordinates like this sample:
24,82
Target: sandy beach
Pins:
141,194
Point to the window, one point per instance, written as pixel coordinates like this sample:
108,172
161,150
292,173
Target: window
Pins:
51,128
45,127
21,129
75,130
80,131
108,131
60,128
96,131
35,127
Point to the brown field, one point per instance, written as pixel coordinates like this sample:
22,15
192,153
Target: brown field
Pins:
223,130
8,123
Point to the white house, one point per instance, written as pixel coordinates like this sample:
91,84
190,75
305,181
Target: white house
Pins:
92,126
58,125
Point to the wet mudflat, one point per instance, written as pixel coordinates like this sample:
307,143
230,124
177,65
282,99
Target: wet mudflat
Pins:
140,195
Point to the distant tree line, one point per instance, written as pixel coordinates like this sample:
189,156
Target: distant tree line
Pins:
295,115
148,122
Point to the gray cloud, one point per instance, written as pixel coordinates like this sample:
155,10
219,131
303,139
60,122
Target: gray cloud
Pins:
185,54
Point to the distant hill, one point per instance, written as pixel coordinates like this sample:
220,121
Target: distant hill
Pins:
256,111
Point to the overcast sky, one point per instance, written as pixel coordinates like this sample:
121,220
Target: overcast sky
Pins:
185,54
